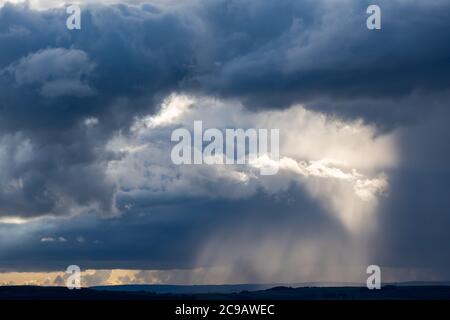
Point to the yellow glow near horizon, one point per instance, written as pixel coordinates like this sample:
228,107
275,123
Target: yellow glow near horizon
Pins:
48,278
13,220
197,276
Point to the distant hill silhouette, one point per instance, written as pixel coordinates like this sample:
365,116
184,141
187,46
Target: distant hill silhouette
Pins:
236,288
185,289
390,292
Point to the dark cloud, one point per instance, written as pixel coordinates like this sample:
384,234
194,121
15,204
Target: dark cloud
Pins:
53,79
316,49
415,223
169,236
271,54
415,218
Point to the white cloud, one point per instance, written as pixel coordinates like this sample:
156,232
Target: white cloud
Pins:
172,109
49,4
340,163
89,122
47,239
52,239
13,220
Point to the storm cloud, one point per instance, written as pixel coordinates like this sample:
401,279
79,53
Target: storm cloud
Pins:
86,116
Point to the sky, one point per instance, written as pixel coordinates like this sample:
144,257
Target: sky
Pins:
86,118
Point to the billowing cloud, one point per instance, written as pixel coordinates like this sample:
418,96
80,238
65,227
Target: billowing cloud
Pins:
324,154
126,59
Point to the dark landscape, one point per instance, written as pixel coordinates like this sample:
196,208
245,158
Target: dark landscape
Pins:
389,292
